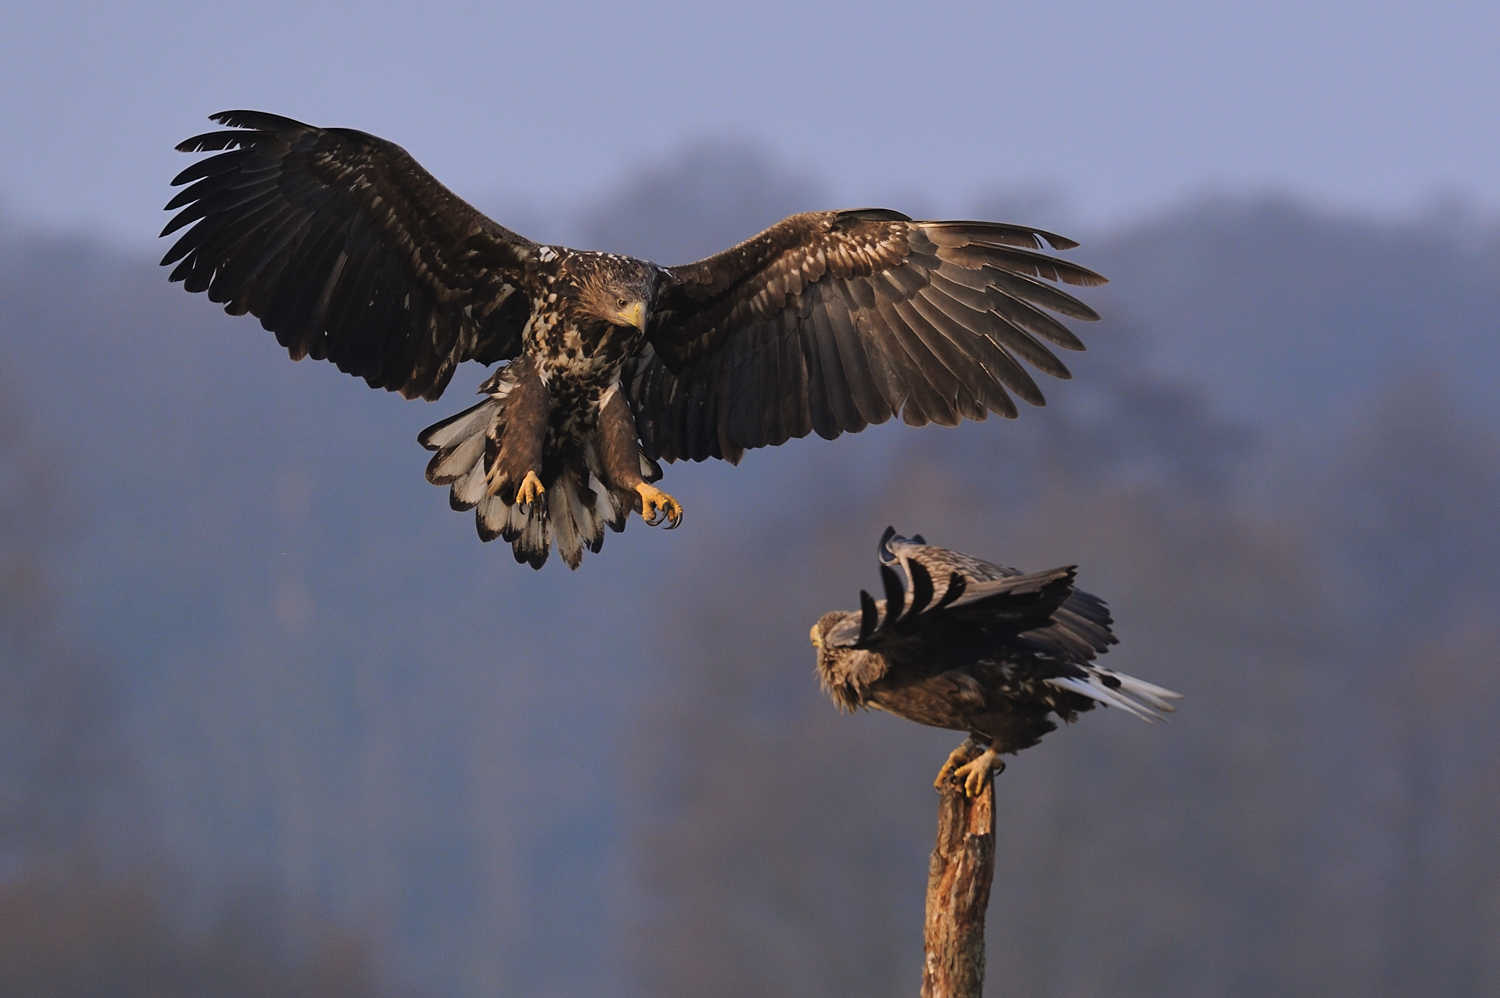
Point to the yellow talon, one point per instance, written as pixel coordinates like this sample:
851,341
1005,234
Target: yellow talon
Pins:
956,758
530,491
975,772
657,506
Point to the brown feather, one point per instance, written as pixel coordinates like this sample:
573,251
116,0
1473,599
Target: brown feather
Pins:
252,205
887,316
519,448
619,454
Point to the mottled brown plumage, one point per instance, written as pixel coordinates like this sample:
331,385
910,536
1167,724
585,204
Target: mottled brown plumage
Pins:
973,646
826,322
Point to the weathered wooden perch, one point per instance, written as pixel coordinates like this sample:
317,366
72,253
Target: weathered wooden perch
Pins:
958,892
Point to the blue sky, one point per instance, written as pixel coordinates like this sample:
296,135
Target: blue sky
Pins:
1117,109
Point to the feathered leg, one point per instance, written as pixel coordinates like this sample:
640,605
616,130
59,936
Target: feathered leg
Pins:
620,454
516,455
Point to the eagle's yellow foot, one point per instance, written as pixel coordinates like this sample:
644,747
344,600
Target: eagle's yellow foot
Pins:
956,758
657,506
975,772
530,491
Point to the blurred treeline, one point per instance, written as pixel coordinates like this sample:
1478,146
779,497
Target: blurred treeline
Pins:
91,902
274,720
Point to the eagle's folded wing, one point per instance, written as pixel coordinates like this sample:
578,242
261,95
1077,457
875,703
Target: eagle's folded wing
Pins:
1080,628
347,250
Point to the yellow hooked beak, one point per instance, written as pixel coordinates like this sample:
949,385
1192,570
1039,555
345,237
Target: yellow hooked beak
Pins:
817,639
633,314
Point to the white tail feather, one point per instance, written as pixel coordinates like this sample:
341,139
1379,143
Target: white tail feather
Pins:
1154,695
491,514
472,420
473,487
1093,687
560,512
536,535
454,462
610,508
514,521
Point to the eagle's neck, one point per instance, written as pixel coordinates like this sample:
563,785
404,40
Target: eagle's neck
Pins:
839,675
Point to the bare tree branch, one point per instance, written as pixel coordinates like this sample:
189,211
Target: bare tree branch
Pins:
958,892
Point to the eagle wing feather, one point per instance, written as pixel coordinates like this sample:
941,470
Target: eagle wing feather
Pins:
830,321
348,251
1080,627
1067,622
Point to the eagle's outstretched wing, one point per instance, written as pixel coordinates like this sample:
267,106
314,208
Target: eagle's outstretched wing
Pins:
347,250
831,321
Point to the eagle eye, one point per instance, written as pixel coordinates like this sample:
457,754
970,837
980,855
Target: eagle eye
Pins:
622,303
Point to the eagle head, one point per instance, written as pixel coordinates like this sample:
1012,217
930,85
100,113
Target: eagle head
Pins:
838,668
821,628
618,290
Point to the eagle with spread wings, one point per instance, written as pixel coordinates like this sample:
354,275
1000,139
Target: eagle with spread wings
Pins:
973,646
827,322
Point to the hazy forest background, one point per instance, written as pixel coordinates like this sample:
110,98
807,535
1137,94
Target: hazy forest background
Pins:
272,720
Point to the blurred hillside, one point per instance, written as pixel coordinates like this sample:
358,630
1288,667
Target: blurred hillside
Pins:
253,662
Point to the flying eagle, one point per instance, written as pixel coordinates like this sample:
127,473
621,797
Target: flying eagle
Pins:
977,647
826,322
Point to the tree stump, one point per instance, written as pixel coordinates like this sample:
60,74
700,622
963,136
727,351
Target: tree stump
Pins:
958,892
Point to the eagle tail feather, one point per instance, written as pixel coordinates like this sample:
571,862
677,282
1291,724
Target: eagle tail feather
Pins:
453,431
573,509
650,470
529,530
614,507
492,516
569,512
575,506
473,488
562,496
1158,697
1114,689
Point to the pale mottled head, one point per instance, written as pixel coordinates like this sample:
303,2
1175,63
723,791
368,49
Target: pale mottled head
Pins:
834,664
821,628
616,289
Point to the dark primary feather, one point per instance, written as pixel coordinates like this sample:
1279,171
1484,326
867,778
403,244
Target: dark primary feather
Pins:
1016,603
830,321
1078,625
347,250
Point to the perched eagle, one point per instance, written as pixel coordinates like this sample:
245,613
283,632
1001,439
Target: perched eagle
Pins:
976,647
826,322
